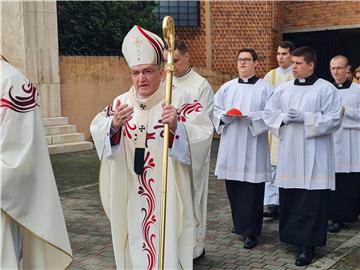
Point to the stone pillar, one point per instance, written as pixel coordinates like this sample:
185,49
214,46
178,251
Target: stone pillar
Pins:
29,39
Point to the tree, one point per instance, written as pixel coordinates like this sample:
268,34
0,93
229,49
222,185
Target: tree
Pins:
99,27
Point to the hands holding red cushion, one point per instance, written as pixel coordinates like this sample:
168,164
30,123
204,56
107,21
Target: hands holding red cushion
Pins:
234,112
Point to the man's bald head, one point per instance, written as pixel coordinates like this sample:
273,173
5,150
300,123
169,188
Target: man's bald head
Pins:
339,66
341,57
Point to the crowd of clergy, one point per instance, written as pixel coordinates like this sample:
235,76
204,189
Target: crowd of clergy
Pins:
289,149
312,128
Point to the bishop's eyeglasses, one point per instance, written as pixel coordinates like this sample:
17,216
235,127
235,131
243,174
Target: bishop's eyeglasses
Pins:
145,72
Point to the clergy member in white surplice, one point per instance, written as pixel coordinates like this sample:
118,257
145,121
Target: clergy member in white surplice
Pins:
128,136
277,76
33,232
346,197
243,158
200,90
304,113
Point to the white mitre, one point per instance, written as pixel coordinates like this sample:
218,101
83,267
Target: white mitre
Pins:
142,47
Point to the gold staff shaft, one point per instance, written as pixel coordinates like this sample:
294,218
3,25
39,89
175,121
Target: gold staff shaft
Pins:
169,37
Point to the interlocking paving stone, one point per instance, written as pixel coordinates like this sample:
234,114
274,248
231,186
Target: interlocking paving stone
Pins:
90,237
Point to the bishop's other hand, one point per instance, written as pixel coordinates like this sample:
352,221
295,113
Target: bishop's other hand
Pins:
169,116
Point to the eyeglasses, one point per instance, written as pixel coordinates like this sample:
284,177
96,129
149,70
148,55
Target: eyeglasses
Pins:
146,73
337,68
243,60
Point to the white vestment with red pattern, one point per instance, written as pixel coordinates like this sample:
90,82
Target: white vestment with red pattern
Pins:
133,201
33,231
199,89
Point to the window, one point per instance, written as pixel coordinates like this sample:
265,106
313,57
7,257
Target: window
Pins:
184,13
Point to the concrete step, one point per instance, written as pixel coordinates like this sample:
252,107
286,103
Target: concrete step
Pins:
55,121
65,138
53,130
70,147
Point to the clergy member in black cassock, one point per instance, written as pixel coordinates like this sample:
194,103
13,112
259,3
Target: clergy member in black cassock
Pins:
346,197
243,156
304,113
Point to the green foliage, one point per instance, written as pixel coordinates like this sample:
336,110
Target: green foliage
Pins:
99,27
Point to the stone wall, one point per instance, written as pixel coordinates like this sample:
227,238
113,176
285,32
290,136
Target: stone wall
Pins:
89,84
29,41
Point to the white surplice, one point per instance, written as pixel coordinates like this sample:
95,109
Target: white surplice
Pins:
243,151
132,201
199,89
306,150
275,77
347,138
33,230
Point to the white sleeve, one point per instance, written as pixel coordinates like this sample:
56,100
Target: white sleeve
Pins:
351,119
100,132
206,98
274,116
257,124
219,111
180,147
326,121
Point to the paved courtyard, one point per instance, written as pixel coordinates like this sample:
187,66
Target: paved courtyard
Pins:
89,230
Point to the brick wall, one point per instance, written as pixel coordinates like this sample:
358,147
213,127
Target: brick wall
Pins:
258,24
320,14
235,24
195,39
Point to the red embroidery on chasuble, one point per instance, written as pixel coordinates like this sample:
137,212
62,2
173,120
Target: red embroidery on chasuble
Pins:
149,136
149,221
128,130
21,104
187,109
160,126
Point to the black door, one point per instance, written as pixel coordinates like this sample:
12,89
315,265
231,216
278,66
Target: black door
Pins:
328,44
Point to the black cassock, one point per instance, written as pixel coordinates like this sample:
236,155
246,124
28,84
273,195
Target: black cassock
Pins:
345,200
246,201
304,216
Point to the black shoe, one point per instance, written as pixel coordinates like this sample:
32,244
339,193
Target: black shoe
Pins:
250,242
272,211
305,256
202,255
336,226
233,230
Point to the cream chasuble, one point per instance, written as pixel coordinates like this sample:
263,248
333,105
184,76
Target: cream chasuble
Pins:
132,201
33,230
200,90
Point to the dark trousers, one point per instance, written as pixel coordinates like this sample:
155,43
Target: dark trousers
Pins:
246,202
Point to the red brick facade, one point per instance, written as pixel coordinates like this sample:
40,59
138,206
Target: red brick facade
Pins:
320,14
258,24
